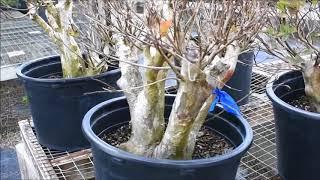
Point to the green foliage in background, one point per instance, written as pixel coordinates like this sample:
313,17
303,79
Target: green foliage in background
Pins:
25,100
285,30
292,4
12,3
282,5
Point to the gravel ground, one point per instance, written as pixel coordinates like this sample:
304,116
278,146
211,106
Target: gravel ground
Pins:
13,109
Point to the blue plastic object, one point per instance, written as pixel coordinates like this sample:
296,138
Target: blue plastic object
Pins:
227,102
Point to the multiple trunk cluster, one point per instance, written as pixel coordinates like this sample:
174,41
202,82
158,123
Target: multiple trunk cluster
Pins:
63,31
199,41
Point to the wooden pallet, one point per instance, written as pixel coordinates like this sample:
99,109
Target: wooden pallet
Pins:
32,160
38,162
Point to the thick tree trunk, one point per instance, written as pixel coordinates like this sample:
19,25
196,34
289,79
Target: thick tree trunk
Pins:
71,58
200,119
192,94
60,18
311,75
192,103
189,100
62,30
146,104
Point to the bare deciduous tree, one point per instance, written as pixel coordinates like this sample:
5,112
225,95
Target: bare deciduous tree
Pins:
63,31
199,41
293,35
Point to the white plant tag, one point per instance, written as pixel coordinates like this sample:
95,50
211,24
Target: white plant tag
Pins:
34,32
15,53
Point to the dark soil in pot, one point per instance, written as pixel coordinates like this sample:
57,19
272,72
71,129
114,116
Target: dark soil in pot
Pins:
209,143
114,164
58,105
302,102
297,130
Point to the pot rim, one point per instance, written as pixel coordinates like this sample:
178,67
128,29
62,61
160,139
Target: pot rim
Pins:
86,127
279,102
20,73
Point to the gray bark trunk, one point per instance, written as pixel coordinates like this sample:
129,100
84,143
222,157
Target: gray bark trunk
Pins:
146,105
311,75
189,100
192,94
62,30
192,103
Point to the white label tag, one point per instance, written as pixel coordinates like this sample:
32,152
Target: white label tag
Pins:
15,53
34,32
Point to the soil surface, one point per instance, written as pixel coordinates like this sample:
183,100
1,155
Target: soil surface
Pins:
276,178
208,144
302,102
53,77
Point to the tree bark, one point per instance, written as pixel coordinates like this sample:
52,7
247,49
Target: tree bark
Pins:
60,18
200,119
146,104
311,75
62,30
192,103
191,95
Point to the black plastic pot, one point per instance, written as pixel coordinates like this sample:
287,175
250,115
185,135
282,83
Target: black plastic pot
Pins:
241,79
114,164
59,105
21,4
17,4
297,130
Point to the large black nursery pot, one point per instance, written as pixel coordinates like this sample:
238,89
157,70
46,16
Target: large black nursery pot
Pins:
239,85
58,105
297,130
114,164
